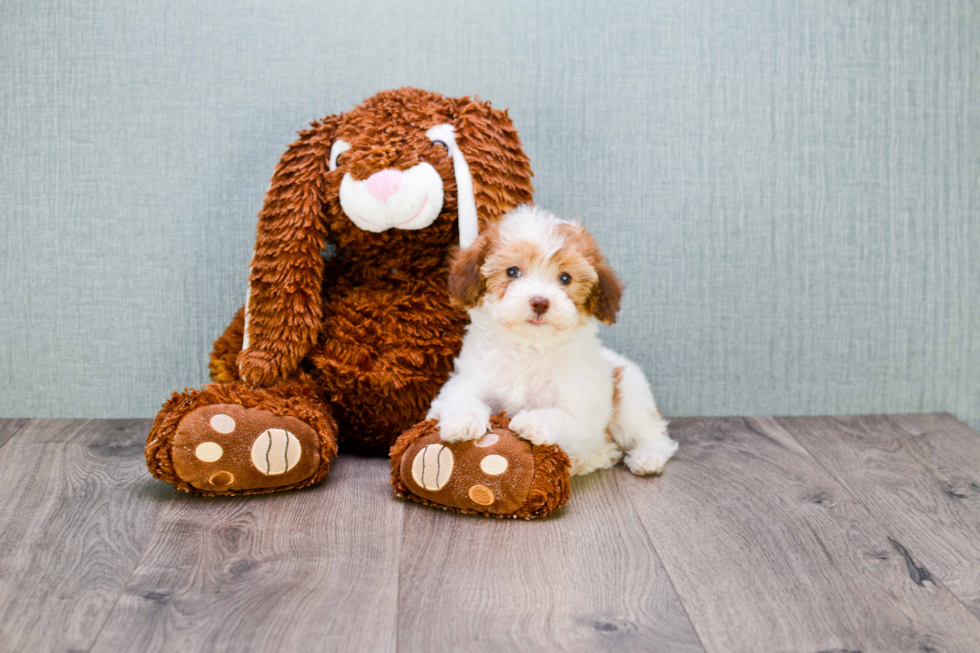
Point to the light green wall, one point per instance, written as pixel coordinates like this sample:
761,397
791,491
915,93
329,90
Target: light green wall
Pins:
791,188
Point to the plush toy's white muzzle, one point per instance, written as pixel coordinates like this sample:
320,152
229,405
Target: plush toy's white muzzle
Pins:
399,199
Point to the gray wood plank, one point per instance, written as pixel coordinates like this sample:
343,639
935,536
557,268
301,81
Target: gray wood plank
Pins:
10,426
920,475
78,509
585,579
767,551
311,570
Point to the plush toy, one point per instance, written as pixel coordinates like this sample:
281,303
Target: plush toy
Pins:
499,475
347,332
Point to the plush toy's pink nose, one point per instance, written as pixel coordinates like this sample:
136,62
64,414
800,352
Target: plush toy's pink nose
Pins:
384,184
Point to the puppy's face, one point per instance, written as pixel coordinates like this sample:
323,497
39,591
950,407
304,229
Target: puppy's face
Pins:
536,275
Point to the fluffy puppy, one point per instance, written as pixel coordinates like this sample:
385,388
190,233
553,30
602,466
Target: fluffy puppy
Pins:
536,288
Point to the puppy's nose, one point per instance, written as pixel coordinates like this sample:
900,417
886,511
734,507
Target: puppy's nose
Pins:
540,305
384,184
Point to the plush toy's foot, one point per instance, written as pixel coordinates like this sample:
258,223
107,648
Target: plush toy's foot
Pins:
231,439
499,475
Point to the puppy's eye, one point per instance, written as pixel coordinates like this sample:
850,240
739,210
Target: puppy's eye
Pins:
513,273
564,278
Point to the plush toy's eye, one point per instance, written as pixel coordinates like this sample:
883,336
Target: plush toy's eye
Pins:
442,145
513,273
564,278
338,148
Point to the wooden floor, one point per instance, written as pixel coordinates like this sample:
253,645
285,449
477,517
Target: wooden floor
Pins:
764,534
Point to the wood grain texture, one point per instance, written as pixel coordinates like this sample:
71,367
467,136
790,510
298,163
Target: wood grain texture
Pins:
10,426
310,570
920,474
78,509
767,551
748,542
585,579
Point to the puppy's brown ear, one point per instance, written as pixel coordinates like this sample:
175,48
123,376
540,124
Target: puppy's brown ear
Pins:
466,284
605,297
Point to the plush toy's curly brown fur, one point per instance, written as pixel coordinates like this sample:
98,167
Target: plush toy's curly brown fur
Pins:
369,333
550,487
289,400
223,367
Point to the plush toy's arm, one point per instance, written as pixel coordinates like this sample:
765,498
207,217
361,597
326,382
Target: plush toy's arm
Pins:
284,311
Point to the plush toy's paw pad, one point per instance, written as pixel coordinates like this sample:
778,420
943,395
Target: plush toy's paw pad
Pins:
491,474
651,458
497,474
225,447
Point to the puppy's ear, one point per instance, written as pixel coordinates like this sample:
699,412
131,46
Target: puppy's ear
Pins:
466,284
608,290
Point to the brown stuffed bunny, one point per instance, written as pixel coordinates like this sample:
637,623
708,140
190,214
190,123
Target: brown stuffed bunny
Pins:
351,347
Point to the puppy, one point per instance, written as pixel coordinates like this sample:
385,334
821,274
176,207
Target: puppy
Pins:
536,288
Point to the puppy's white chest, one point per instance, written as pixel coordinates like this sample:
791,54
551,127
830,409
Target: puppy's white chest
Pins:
533,393
533,384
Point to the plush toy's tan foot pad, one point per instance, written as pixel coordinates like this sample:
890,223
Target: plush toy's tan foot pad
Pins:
499,474
230,447
492,474
204,443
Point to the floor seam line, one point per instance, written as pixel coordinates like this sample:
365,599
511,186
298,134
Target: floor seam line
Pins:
398,576
663,566
132,573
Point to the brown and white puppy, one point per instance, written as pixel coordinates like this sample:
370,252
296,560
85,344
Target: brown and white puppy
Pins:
536,288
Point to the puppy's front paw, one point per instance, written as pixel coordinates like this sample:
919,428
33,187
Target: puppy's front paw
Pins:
460,427
532,429
651,458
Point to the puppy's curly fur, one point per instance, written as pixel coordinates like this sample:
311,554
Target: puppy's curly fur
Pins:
536,288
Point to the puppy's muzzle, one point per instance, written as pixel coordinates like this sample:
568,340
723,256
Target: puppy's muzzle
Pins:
540,305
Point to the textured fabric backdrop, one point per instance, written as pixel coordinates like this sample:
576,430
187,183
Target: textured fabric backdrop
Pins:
791,188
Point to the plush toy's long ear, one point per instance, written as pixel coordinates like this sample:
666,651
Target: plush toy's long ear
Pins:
283,310
605,298
466,284
500,170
